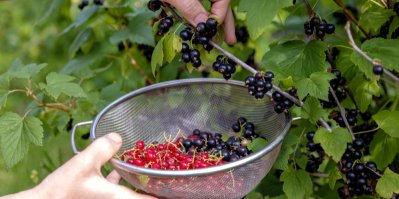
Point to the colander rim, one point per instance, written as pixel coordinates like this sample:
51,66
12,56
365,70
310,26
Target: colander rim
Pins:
191,172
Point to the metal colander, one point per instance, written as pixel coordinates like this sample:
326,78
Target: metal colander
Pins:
211,105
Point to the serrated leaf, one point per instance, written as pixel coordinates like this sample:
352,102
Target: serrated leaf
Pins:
363,64
3,97
257,144
364,92
254,195
79,40
18,70
312,110
316,86
334,176
157,56
260,13
59,83
297,183
16,134
388,121
384,50
83,16
334,143
388,184
383,144
138,31
297,59
374,17
172,45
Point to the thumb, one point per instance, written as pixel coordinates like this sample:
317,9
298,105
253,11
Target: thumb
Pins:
192,10
102,150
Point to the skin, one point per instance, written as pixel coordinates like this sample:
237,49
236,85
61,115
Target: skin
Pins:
195,13
81,177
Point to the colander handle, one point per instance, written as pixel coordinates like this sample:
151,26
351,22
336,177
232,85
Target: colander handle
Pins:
75,150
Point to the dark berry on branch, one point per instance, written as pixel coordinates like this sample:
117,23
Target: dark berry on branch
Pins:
236,127
185,35
227,76
330,28
310,135
196,63
185,57
269,76
278,108
185,48
216,66
211,23
98,2
277,97
194,54
258,76
314,22
250,81
201,28
154,5
259,95
378,69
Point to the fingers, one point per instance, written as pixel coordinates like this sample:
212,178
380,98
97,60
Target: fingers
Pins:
229,28
192,10
101,150
113,177
123,192
219,9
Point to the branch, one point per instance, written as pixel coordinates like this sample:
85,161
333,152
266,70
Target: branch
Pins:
321,175
309,8
358,50
351,17
342,111
58,106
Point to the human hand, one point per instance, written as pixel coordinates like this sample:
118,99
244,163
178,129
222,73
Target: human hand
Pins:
195,13
81,177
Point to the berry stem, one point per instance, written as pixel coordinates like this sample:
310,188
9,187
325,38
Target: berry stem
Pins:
342,112
357,49
351,17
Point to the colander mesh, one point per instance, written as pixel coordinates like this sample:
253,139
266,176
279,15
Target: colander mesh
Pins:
183,107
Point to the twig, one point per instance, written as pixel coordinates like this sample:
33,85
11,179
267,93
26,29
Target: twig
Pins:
368,131
325,125
351,17
138,68
321,175
58,106
358,50
308,8
342,111
384,3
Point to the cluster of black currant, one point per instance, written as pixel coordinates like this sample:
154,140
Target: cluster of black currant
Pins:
360,178
339,86
202,34
85,3
259,84
282,103
224,66
351,115
230,150
313,161
242,34
146,50
164,25
190,55
320,25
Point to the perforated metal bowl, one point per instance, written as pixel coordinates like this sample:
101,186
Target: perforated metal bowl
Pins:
207,104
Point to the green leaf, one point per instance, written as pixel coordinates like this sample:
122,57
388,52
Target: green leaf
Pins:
335,175
364,91
18,70
297,59
316,86
297,183
257,144
138,31
388,184
334,143
59,83
383,149
384,50
79,40
83,16
254,195
50,10
363,64
16,134
260,14
172,45
374,17
157,56
312,110
388,121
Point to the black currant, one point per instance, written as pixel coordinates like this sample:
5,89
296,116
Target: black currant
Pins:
194,54
236,127
250,80
196,63
196,132
330,28
242,150
216,66
310,135
187,143
185,57
269,76
278,108
168,22
211,23
358,144
277,96
259,95
378,69
227,76
185,35
314,22
241,120
201,28
249,125
396,7
185,48
98,2
154,5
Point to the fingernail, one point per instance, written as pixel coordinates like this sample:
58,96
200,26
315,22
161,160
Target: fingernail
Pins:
201,17
115,138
